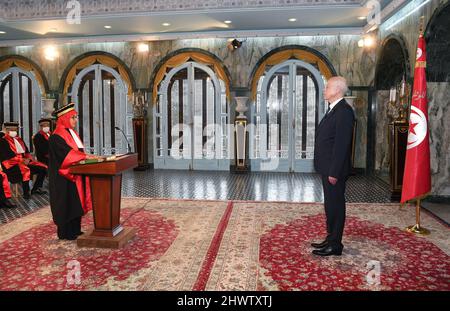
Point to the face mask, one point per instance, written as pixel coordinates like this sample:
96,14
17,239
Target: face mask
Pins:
12,134
46,129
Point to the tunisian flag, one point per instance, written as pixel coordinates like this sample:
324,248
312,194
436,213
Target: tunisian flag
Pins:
417,177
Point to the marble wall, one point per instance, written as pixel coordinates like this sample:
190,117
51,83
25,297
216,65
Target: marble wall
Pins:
354,63
381,133
360,107
439,116
438,104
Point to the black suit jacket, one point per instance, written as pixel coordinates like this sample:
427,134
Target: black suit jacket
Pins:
41,146
332,148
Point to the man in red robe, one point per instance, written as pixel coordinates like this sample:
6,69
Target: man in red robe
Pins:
70,196
40,140
5,192
18,163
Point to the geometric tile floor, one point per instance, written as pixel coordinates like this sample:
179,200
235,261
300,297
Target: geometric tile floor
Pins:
259,186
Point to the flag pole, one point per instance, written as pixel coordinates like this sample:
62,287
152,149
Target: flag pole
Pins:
417,228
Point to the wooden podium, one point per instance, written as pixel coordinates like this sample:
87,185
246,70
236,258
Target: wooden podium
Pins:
106,185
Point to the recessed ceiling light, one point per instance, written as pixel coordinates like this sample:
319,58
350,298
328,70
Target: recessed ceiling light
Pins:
292,19
2,32
227,22
107,27
53,30
165,24
361,17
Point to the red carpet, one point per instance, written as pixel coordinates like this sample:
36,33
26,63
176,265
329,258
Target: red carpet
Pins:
214,245
285,254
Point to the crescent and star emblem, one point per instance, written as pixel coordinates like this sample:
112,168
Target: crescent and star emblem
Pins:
417,127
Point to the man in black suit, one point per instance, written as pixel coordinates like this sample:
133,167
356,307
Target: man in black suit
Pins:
332,160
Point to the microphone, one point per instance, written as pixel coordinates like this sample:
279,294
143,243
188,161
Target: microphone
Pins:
128,143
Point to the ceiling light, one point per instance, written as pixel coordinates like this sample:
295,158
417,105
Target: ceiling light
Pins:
292,19
361,17
143,47
53,30
107,27
165,24
51,53
227,22
2,32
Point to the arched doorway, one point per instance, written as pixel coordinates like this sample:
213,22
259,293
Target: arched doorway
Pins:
437,37
287,91
21,90
100,97
288,108
100,84
392,67
393,64
191,91
191,120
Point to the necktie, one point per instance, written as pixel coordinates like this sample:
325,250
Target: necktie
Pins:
328,110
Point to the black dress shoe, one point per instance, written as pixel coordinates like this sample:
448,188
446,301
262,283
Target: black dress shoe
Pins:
38,191
320,245
26,195
328,251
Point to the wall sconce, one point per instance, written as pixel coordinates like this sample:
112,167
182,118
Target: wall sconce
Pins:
143,47
366,42
51,53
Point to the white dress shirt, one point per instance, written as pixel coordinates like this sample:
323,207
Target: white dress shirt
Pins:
331,105
76,139
19,147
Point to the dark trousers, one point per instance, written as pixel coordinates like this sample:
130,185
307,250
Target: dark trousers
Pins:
334,202
41,172
70,230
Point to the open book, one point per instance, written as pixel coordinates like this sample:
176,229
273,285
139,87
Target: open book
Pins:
101,159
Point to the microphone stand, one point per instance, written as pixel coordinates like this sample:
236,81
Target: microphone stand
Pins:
128,143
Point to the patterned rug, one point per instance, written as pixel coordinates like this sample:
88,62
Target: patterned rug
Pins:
218,245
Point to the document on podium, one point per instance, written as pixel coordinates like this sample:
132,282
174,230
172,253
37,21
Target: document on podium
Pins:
101,159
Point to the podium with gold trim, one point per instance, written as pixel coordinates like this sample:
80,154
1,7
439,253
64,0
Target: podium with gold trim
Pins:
397,140
106,185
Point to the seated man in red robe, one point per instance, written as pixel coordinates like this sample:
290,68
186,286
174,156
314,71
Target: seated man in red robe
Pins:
18,163
40,140
5,192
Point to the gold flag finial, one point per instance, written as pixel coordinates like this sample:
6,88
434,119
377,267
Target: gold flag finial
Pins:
422,25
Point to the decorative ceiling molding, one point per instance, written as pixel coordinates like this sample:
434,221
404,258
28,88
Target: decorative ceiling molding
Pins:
261,33
19,10
387,12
